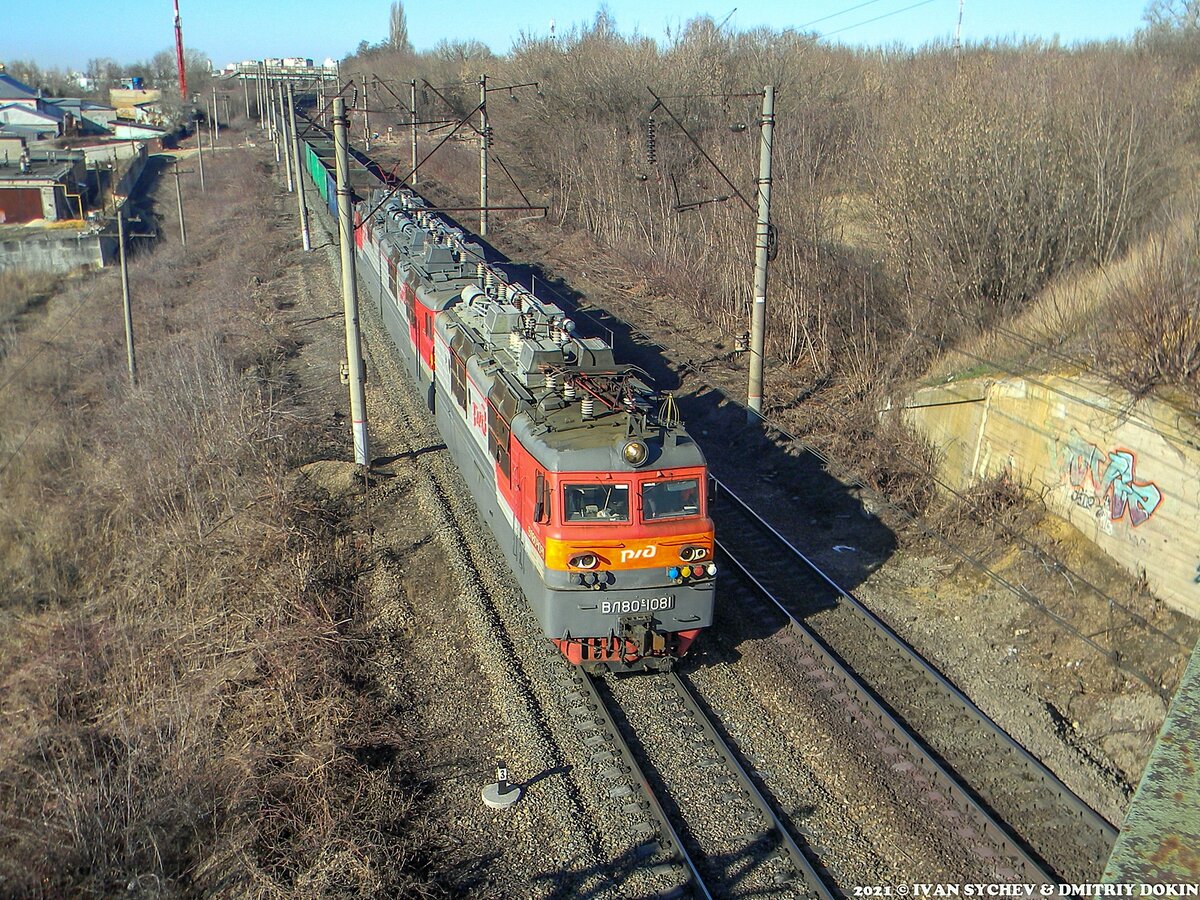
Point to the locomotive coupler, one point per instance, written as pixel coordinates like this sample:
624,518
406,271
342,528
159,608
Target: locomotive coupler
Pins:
639,631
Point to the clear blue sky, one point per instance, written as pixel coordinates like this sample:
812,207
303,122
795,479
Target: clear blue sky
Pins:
64,33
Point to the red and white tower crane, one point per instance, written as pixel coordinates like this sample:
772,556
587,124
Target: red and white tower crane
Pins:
183,94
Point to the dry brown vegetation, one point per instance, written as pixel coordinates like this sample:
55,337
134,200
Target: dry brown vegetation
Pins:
923,198
1148,334
182,700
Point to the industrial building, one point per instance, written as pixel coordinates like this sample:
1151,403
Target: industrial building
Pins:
41,185
59,160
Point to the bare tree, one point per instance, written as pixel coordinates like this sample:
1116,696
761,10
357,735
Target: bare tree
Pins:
163,70
103,72
398,29
1173,15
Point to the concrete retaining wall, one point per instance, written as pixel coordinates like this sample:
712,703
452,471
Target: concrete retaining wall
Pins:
59,252
1125,473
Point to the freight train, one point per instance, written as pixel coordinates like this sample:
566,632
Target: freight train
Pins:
595,492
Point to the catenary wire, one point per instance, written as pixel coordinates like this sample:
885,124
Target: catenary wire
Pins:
1018,591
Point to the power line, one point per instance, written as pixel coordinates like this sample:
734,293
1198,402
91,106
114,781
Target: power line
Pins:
1082,364
25,439
1020,592
848,9
877,18
1144,422
45,344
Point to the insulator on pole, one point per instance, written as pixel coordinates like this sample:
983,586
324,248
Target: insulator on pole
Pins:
651,142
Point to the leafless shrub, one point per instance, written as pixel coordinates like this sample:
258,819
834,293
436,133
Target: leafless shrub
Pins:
969,183
1149,336
998,173
178,710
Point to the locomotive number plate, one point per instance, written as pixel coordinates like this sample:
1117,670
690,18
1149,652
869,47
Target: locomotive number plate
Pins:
642,604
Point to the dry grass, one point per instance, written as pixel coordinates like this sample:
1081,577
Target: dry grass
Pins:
181,700
1132,322
21,293
1148,334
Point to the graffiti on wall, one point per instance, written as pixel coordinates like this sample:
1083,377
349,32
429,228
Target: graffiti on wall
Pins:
1104,481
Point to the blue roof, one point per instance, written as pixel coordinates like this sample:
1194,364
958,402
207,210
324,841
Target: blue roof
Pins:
11,89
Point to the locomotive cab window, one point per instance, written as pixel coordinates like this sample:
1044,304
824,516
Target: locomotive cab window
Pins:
670,499
542,501
596,502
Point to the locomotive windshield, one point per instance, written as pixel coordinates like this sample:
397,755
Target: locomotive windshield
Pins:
597,502
670,499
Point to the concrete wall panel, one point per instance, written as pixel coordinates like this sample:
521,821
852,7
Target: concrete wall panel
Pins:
1125,473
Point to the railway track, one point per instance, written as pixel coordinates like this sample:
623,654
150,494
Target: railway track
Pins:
1012,807
698,812
705,827
636,783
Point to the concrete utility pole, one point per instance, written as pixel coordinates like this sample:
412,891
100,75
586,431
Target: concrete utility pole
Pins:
262,96
200,152
762,245
125,295
246,95
354,361
483,156
272,123
287,141
216,115
413,119
179,201
304,235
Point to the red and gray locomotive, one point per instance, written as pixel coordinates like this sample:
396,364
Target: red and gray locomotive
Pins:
593,488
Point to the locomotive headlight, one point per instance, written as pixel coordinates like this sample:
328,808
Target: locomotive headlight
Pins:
584,561
635,452
691,554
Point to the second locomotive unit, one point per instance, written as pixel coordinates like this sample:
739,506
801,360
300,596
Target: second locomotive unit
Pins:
593,488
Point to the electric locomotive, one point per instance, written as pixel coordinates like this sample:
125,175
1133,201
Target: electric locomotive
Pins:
593,488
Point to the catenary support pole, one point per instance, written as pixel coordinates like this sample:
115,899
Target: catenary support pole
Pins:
132,358
367,113
179,202
216,115
483,156
762,245
246,96
413,119
304,235
354,361
286,138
